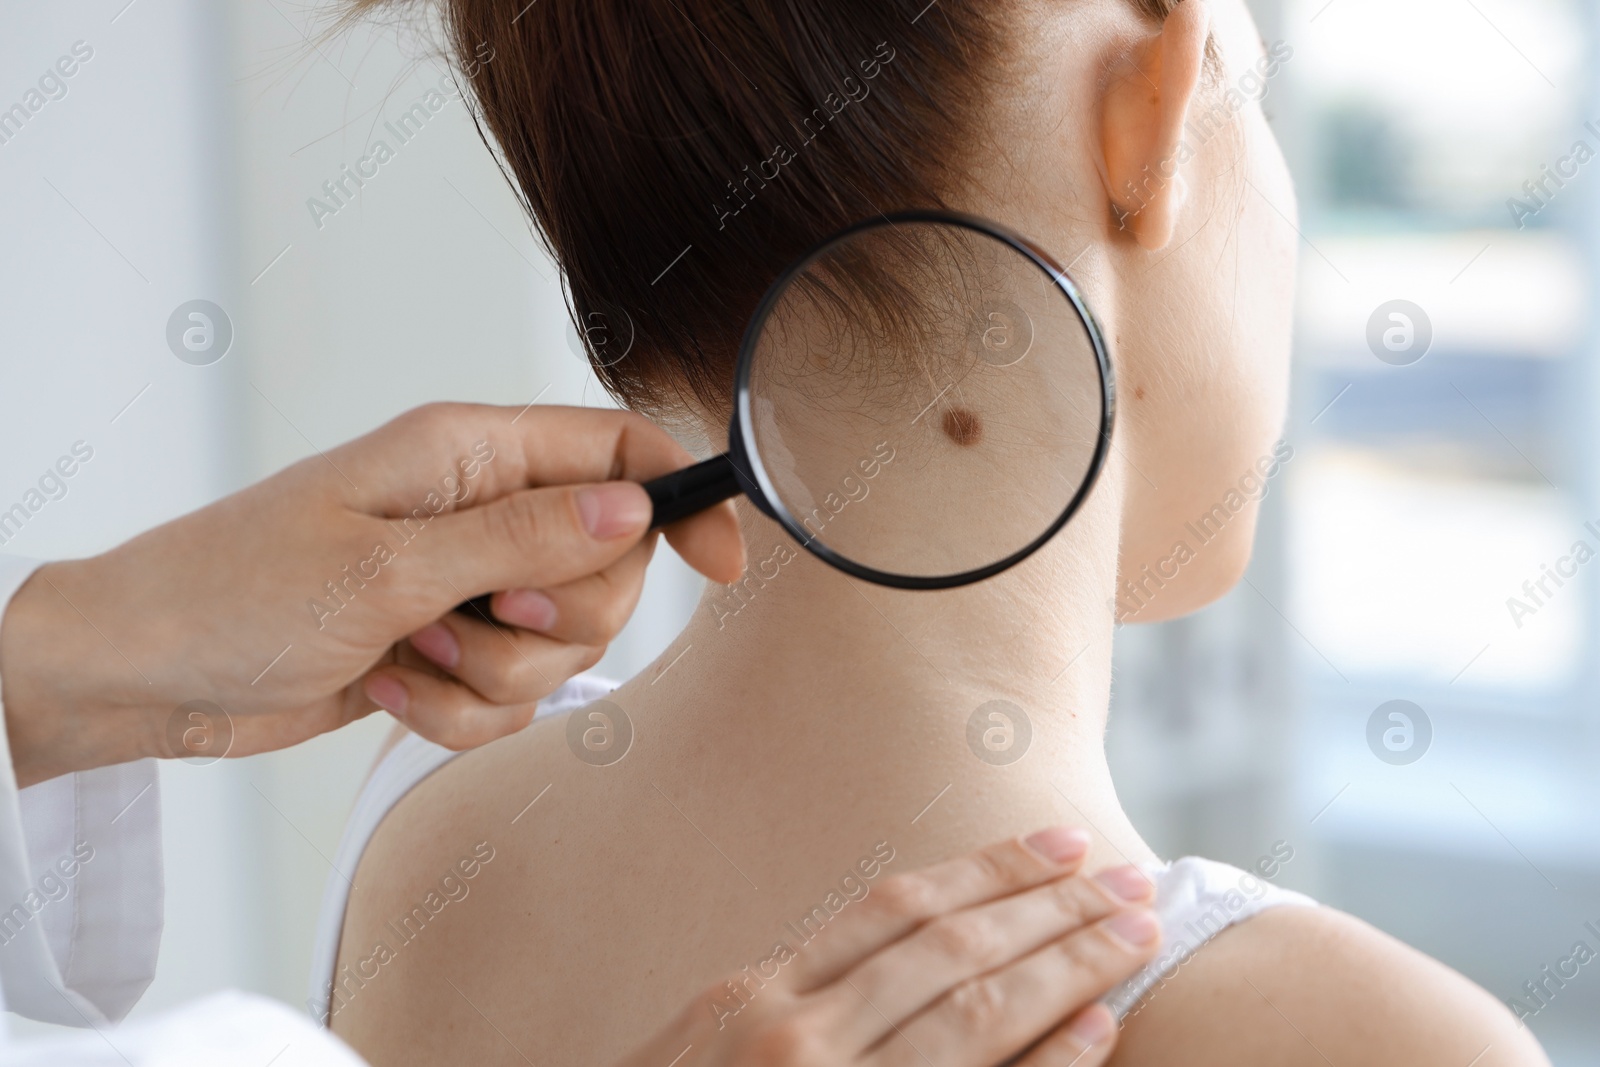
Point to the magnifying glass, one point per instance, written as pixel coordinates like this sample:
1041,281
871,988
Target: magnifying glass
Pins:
922,401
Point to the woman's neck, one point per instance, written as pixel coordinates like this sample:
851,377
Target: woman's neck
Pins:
967,713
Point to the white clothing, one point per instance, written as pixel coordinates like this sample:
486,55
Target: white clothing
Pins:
228,1029
410,761
81,898
1196,898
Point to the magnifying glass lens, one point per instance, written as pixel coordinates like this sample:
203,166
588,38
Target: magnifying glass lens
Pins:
924,400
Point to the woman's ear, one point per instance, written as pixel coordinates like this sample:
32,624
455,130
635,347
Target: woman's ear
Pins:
1143,109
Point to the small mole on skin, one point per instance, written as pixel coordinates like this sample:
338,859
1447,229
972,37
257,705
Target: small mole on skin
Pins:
1138,392
962,426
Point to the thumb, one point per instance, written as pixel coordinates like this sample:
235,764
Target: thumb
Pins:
535,538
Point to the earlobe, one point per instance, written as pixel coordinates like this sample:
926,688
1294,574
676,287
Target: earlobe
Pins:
1143,109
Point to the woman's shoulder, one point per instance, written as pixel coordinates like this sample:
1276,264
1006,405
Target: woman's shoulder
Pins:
421,797
412,774
1313,986
430,828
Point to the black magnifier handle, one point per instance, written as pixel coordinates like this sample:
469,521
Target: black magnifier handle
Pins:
673,496
693,489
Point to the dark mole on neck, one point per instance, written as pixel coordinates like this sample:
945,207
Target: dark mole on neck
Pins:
962,426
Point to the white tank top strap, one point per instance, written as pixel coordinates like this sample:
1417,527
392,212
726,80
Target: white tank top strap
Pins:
1197,899
410,761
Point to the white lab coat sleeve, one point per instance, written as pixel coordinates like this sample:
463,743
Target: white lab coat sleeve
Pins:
228,1029
81,900
81,891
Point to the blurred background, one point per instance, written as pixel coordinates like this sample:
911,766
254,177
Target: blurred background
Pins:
1445,447
1383,694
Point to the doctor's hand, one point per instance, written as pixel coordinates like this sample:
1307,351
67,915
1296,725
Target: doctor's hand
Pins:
326,591
1000,956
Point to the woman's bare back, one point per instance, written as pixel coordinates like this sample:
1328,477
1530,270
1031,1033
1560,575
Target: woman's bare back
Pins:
610,893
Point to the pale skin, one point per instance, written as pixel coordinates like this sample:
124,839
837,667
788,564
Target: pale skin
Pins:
772,749
97,655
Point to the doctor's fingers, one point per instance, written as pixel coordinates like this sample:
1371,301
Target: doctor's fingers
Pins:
503,664
524,660
452,713
535,538
590,610
901,904
1086,1041
956,950
993,1018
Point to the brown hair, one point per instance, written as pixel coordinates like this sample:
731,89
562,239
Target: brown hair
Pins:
676,155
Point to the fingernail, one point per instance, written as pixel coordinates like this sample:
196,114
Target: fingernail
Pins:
1137,926
1129,882
1059,844
527,608
1093,1025
388,694
437,643
613,509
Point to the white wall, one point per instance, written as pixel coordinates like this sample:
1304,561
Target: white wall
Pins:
428,286
182,157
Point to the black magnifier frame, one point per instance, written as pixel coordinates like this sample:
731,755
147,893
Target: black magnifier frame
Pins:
739,470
